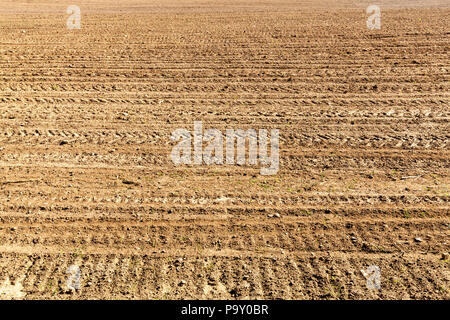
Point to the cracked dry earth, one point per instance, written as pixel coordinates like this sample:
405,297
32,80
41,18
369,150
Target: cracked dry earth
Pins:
86,178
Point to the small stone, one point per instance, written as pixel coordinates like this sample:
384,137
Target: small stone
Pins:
63,142
418,239
444,256
182,283
13,228
277,215
234,292
354,239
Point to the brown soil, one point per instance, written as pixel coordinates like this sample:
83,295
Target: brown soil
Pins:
364,140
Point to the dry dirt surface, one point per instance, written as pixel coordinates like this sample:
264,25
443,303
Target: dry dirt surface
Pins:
86,179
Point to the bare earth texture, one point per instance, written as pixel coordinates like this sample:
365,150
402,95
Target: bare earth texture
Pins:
86,178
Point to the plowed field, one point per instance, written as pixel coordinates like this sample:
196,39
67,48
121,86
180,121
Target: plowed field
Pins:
86,177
